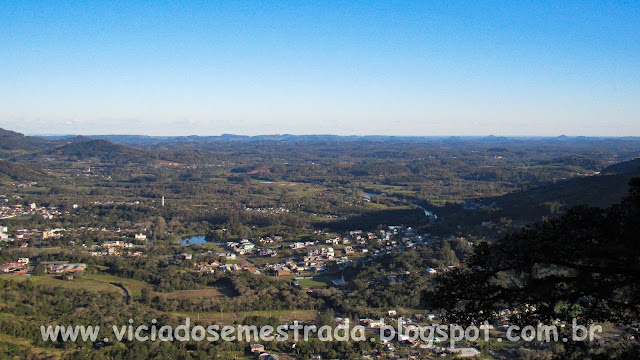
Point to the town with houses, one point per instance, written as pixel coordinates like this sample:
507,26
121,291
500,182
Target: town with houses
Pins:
316,261
273,256
301,260
307,258
294,260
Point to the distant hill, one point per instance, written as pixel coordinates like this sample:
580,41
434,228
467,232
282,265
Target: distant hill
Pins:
530,205
11,142
13,171
108,152
4,132
623,167
103,151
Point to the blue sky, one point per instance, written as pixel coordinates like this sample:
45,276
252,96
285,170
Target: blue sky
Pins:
330,67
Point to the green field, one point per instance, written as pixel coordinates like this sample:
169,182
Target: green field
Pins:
51,280
390,189
133,286
102,283
315,283
230,317
207,292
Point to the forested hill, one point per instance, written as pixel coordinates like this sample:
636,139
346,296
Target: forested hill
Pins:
15,143
104,151
20,172
632,166
4,132
583,264
526,206
11,141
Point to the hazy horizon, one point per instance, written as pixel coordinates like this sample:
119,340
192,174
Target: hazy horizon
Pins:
329,134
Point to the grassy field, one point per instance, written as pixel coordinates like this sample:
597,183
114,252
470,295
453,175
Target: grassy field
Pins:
133,286
389,189
208,292
101,283
445,202
230,317
51,280
318,282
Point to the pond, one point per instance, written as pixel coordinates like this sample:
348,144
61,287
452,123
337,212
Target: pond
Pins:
369,195
194,240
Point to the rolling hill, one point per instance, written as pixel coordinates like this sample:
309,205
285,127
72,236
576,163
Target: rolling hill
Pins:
530,205
103,151
632,166
14,142
11,171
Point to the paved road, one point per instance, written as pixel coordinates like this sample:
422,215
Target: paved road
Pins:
125,292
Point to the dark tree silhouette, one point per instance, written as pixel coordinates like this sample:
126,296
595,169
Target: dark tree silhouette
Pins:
585,263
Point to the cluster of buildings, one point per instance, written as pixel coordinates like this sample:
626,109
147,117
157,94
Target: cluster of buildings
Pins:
11,211
242,248
56,267
21,266
433,271
214,266
316,261
315,257
278,210
414,325
260,353
302,245
206,267
310,258
267,252
227,255
410,324
269,240
287,268
110,203
25,235
115,248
